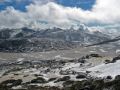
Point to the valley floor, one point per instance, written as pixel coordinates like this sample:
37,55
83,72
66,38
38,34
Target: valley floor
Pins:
62,69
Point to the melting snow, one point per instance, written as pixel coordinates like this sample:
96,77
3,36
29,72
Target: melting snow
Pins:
118,51
20,59
92,51
102,50
103,70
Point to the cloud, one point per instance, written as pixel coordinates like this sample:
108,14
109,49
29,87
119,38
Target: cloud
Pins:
42,1
47,13
12,19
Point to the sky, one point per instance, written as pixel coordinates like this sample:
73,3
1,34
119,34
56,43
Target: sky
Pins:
21,4
102,14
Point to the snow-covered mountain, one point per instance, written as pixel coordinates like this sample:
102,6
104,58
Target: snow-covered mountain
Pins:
57,38
113,32
81,35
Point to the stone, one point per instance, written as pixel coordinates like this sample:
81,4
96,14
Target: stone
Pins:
65,78
38,80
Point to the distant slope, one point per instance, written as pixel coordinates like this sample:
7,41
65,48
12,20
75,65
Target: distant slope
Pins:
25,39
33,45
105,42
81,35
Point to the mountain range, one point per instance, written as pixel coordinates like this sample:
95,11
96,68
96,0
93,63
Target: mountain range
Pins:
25,39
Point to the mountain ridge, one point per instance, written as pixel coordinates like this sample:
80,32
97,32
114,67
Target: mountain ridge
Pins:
25,39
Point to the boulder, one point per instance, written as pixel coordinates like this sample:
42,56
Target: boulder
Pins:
107,61
117,77
65,78
109,77
11,83
52,79
38,80
80,76
95,55
115,59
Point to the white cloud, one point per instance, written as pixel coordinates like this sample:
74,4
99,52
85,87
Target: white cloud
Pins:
52,14
42,1
107,11
12,18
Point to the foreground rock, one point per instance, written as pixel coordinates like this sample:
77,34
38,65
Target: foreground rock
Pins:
89,84
10,83
39,80
55,75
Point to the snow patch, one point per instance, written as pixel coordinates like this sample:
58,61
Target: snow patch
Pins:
112,69
102,50
20,59
118,51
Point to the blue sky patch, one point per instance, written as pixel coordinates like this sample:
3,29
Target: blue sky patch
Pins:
84,4
17,5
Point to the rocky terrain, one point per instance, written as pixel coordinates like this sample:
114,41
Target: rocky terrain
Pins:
30,40
58,59
84,73
34,45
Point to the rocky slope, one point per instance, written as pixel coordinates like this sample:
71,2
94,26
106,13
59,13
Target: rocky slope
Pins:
74,74
82,34
33,45
26,40
81,68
